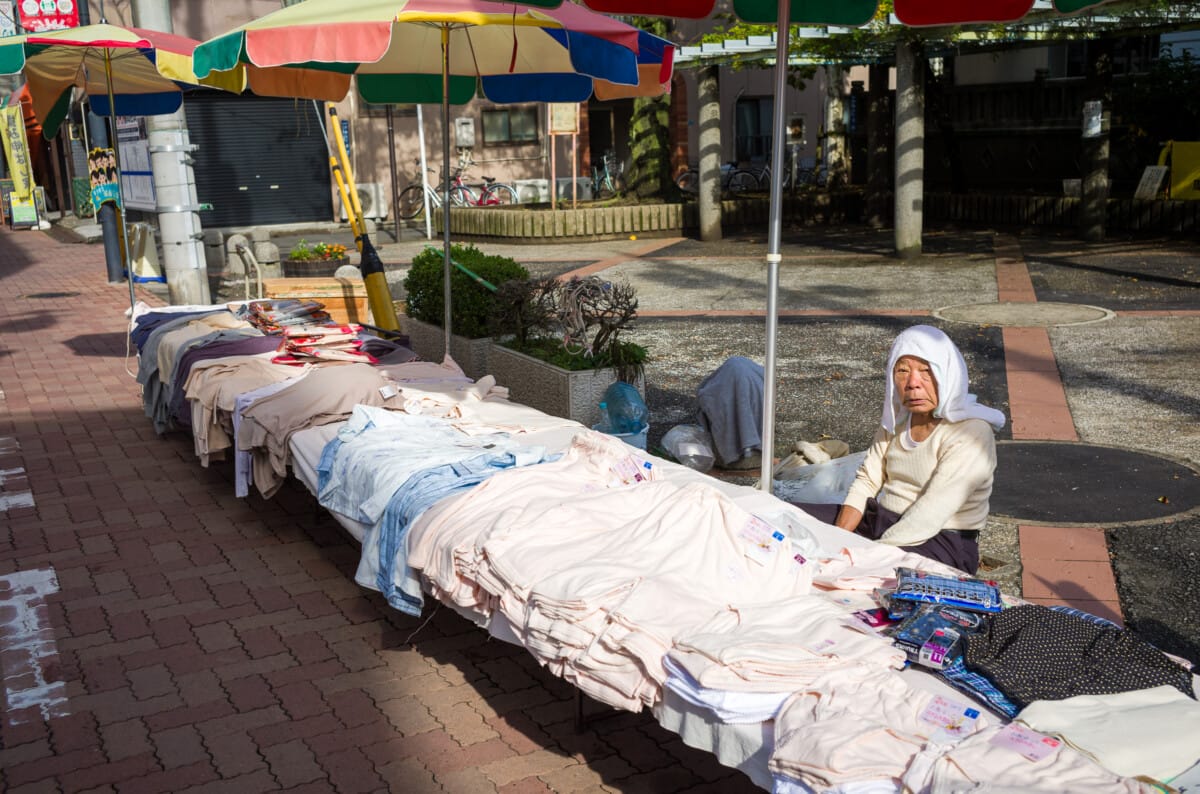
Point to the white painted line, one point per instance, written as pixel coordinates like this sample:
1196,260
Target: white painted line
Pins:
29,647
12,499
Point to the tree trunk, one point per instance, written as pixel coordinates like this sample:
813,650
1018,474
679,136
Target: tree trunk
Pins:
879,149
1093,206
650,152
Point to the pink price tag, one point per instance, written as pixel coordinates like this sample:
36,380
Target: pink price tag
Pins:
951,718
1025,742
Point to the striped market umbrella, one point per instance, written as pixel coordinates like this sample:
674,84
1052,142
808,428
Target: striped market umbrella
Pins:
140,72
447,51
913,13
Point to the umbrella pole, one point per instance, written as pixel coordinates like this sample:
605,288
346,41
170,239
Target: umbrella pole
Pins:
774,235
446,183
116,148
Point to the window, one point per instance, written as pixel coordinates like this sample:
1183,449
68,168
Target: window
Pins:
510,125
380,111
752,128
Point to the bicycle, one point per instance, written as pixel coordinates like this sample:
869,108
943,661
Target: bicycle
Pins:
492,193
733,180
412,198
607,180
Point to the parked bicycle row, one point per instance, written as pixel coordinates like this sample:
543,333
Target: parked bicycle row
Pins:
607,181
737,180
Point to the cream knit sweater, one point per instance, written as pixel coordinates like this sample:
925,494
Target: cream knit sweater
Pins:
944,483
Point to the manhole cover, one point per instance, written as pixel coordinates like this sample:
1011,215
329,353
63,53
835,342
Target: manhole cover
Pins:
1064,483
1041,314
51,295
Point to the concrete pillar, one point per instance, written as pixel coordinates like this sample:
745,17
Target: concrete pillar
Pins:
709,198
910,149
175,186
835,128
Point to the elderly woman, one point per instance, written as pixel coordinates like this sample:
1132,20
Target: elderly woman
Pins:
927,476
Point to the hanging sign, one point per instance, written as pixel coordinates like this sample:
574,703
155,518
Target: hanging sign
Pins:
137,177
102,173
39,16
16,150
1093,119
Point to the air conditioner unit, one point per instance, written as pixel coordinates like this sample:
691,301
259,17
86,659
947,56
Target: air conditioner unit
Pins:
532,191
373,199
585,188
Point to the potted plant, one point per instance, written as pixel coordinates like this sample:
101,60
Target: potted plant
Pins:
472,304
310,260
559,345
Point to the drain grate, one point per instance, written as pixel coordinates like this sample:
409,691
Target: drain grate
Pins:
43,295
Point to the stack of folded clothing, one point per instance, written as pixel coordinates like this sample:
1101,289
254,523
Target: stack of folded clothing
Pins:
304,344
272,316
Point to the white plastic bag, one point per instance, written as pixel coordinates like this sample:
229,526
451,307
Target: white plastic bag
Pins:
691,445
820,483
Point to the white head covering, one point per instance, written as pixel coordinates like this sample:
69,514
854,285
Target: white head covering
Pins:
950,371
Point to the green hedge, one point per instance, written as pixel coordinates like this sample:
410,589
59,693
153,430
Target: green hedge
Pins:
471,303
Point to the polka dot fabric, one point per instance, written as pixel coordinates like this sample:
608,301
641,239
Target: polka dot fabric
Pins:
1031,652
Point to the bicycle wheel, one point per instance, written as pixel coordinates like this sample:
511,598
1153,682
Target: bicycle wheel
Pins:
742,182
688,182
605,189
463,196
501,195
412,201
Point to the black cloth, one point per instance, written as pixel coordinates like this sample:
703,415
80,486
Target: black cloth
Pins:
1032,652
956,548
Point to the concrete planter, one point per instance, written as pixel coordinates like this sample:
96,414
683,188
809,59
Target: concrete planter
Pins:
553,390
429,342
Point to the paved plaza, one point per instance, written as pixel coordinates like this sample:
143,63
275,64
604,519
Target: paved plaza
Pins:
159,634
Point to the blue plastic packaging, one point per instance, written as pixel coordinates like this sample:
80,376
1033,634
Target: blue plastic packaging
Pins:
627,411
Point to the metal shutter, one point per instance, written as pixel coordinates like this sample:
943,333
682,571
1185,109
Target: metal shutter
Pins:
260,160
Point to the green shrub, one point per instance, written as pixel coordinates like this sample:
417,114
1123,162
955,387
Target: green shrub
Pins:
472,304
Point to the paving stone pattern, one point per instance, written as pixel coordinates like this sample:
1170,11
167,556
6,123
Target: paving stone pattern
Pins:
209,643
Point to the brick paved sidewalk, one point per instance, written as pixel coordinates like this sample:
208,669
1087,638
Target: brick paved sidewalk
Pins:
158,634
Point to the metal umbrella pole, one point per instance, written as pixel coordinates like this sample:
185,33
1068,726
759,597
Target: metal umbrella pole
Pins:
774,236
122,236
446,182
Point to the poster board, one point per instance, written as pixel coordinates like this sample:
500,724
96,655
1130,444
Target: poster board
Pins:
564,118
1150,184
24,212
102,172
137,177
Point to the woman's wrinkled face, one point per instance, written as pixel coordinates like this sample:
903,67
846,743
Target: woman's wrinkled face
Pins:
915,384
